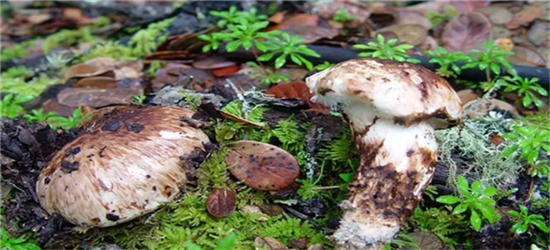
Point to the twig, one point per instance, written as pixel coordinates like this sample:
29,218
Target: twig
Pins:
246,106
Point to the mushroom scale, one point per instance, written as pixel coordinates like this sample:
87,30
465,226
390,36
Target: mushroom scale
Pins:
124,166
392,109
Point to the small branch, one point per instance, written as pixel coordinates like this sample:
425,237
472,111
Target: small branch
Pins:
324,188
246,106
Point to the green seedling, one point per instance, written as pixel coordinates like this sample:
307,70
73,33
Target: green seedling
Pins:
289,46
10,105
476,200
400,241
524,221
447,61
540,169
72,121
234,16
38,115
9,243
139,99
226,243
267,76
492,58
526,89
341,16
531,141
323,66
386,50
436,18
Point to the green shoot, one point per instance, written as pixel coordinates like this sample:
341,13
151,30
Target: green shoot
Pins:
72,121
447,61
139,99
531,141
490,59
526,89
523,221
401,240
477,201
38,115
267,76
290,46
341,16
386,50
6,242
10,105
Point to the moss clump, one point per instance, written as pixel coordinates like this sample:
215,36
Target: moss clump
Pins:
68,38
15,81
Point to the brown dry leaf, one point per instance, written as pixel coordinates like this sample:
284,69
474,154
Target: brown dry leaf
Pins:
277,17
413,34
464,32
506,43
497,15
102,82
464,6
527,57
96,98
300,243
60,110
539,33
168,74
235,118
268,243
467,95
250,209
426,240
360,11
496,139
309,33
479,108
213,62
262,166
297,20
221,202
413,17
525,16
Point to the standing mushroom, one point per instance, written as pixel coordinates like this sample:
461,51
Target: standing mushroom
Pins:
392,109
124,165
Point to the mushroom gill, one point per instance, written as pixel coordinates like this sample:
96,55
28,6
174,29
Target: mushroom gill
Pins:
124,165
392,109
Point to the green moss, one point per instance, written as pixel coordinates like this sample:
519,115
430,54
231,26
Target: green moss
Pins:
108,49
68,38
213,171
14,81
146,41
441,223
17,51
340,151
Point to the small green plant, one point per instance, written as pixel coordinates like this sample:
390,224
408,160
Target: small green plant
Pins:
437,18
492,58
540,169
234,16
72,121
17,51
267,76
145,41
477,201
154,66
10,105
526,89
289,46
523,221
386,50
323,66
341,16
139,99
531,141
309,188
38,115
401,240
9,243
226,243
58,60
447,61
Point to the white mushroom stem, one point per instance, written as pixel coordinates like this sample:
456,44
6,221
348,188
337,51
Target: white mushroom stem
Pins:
396,163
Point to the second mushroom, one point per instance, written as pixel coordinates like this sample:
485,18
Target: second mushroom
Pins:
392,109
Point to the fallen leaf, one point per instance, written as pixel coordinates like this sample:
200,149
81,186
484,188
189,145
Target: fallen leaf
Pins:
309,33
413,17
413,34
227,71
467,95
360,11
464,6
527,57
221,202
539,34
94,97
479,108
213,62
525,16
60,110
426,240
300,243
296,89
262,166
268,243
496,139
250,209
102,82
277,17
464,32
317,246
506,43
497,15
429,44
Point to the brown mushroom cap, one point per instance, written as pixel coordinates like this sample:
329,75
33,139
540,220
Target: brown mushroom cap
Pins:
407,93
123,167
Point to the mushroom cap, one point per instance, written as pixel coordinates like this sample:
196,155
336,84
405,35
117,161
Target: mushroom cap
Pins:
404,92
123,166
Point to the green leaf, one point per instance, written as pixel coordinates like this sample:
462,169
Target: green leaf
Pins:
232,46
463,185
476,187
540,225
191,246
448,199
280,61
487,211
522,228
460,208
227,242
495,68
475,220
527,101
490,191
515,214
508,151
266,57
347,177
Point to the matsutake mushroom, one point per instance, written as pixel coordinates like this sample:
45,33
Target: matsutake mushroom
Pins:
124,165
392,109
